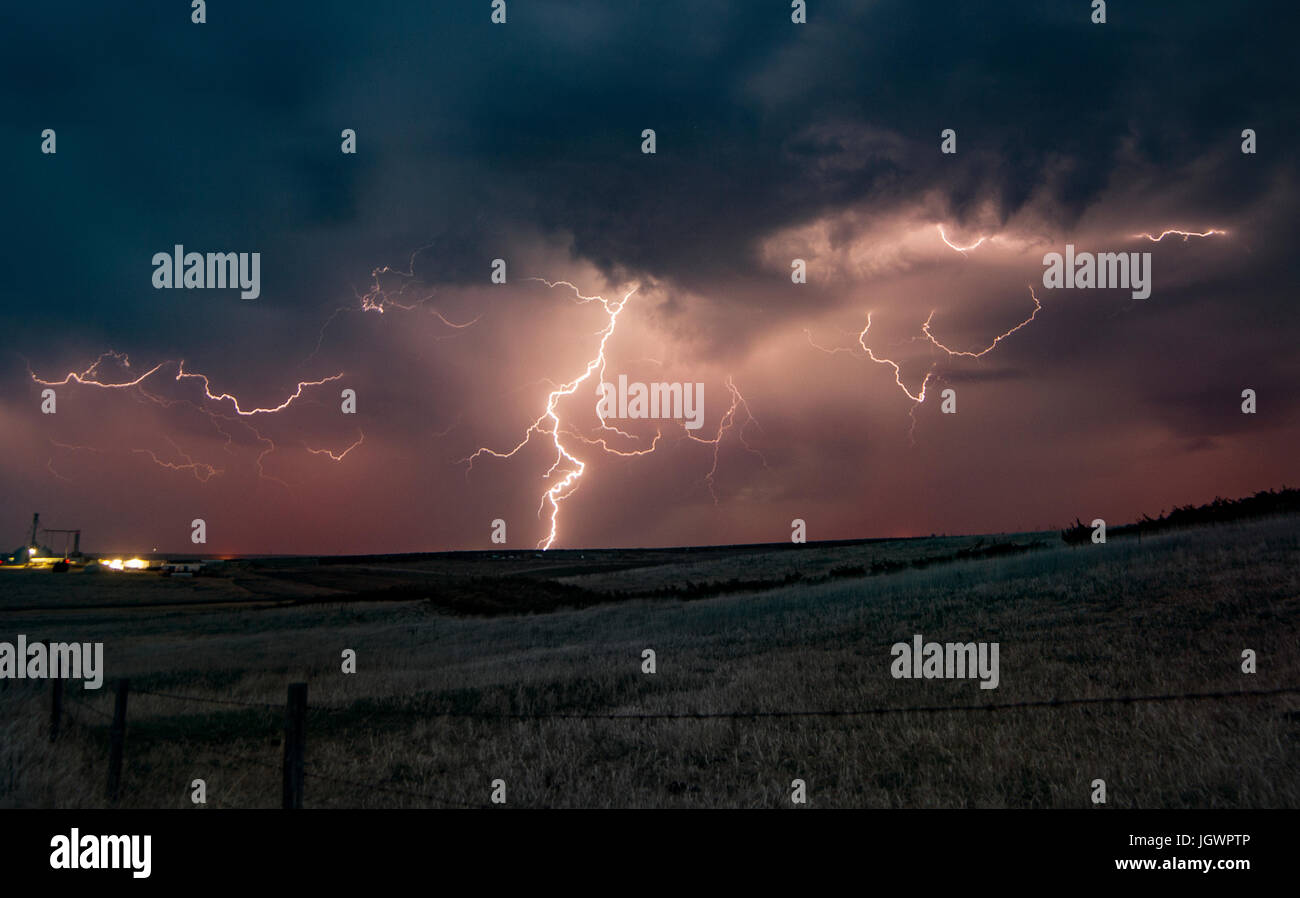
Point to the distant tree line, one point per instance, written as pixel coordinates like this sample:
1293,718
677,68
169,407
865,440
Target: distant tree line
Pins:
1263,503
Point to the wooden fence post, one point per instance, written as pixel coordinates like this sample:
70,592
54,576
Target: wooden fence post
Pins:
116,738
295,739
56,707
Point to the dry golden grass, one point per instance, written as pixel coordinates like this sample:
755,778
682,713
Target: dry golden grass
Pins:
1169,615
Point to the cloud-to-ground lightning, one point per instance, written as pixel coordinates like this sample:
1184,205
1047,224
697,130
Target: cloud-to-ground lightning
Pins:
562,488
550,424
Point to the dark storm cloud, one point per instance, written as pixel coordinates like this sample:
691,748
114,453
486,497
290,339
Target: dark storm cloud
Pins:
478,141
760,125
850,113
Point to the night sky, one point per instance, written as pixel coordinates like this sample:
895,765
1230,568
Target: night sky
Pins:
523,141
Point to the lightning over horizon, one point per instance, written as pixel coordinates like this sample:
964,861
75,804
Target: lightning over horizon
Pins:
549,423
323,331
562,488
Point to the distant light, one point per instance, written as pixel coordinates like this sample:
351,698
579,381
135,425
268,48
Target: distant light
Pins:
136,564
115,564
31,550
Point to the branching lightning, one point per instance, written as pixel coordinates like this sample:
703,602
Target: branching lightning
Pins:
92,377
727,422
207,391
566,439
202,472
925,329
549,423
918,396
379,299
341,455
1177,233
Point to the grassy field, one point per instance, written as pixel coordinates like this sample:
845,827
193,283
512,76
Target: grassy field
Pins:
786,628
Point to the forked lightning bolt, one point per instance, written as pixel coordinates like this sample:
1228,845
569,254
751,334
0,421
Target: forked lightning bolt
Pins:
898,372
92,377
925,329
234,401
563,488
919,396
378,299
728,421
202,472
89,378
549,423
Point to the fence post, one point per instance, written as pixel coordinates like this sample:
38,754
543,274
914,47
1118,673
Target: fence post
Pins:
56,707
295,739
116,737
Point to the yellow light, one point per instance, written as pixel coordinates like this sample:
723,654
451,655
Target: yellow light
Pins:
136,564
115,564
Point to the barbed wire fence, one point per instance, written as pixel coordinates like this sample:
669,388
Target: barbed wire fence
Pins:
295,711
